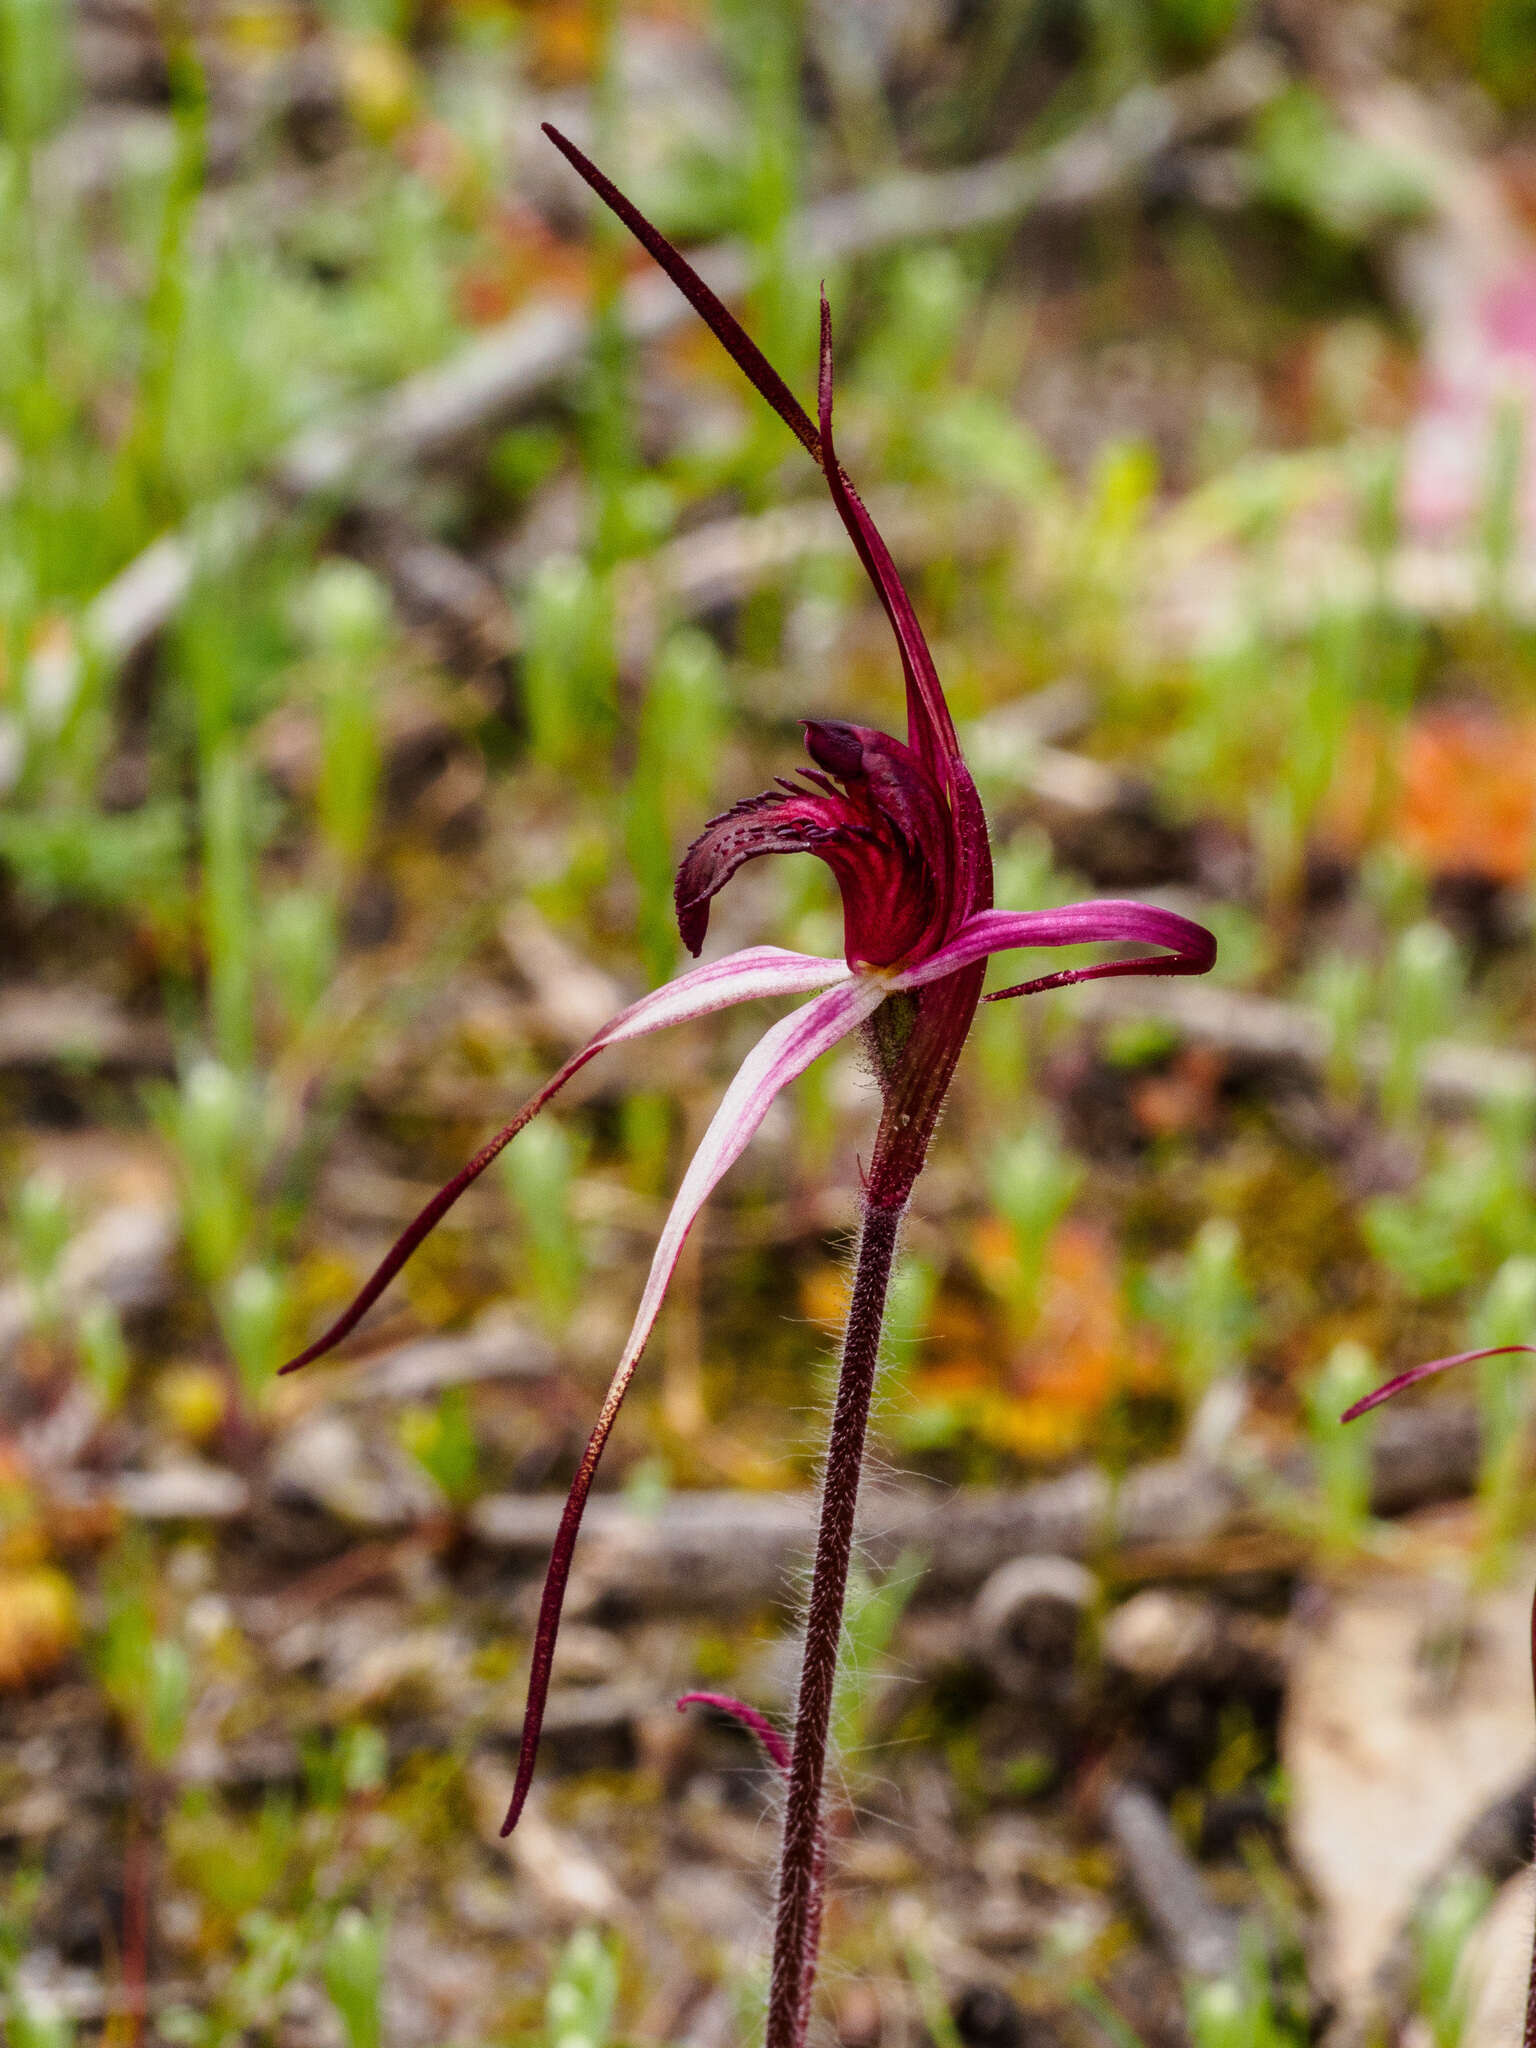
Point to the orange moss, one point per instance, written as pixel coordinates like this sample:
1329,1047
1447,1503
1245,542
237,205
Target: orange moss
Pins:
1462,799
1081,1355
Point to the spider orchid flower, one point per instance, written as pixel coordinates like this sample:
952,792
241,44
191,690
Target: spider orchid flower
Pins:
899,823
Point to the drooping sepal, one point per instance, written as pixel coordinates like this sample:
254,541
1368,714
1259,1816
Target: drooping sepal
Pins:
739,978
780,1056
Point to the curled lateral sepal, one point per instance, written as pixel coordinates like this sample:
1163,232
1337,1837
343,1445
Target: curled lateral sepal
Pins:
1415,1373
773,1745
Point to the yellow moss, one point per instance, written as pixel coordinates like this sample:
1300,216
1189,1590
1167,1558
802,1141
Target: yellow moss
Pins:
191,1399
378,84
39,1624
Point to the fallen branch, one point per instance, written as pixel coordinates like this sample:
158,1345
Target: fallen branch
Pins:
732,1551
515,363
76,1026
437,587
1456,1075
1199,1939
724,561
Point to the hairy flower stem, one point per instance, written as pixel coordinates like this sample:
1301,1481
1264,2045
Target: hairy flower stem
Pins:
801,1865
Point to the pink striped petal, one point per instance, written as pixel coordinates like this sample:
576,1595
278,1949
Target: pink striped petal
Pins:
1192,949
1416,1373
758,971
774,1746
779,1056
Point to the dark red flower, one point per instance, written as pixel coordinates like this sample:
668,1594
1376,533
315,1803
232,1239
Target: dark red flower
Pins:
873,813
900,824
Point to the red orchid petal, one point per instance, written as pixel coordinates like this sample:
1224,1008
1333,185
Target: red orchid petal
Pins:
755,1723
757,971
1416,1373
780,1055
784,820
885,835
1192,949
885,775
711,309
931,730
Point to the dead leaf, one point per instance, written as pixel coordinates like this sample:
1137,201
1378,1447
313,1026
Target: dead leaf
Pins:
1389,1757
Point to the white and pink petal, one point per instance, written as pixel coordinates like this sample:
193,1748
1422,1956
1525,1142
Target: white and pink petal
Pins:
780,1056
1191,949
738,978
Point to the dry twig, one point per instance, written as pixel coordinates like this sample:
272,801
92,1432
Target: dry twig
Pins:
725,1551
1199,1939
1457,1076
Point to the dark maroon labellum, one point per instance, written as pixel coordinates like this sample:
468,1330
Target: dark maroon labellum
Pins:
873,813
